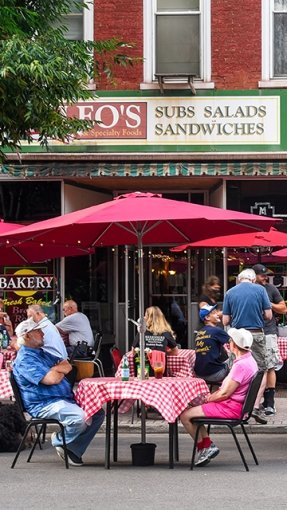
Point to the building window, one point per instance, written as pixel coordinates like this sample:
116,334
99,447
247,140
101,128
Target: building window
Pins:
274,41
177,38
279,23
80,23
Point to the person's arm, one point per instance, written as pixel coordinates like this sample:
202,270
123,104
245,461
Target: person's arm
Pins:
267,314
57,373
171,348
172,351
52,377
226,319
225,392
63,367
279,307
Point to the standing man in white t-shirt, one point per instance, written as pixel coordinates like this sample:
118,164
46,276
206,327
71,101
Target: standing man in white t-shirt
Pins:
75,325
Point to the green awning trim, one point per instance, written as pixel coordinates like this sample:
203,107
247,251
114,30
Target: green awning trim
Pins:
146,169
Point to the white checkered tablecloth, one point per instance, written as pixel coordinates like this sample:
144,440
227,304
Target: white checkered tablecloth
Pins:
181,365
169,395
5,386
282,344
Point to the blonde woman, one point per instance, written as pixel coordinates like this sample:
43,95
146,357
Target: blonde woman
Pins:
159,335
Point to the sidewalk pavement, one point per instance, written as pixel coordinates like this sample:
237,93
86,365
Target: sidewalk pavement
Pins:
277,424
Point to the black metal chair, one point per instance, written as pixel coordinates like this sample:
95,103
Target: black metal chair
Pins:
232,423
39,424
92,358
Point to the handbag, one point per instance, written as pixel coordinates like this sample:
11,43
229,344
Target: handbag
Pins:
82,350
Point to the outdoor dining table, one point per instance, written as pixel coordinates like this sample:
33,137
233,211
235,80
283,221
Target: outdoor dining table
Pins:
282,345
169,395
181,365
6,391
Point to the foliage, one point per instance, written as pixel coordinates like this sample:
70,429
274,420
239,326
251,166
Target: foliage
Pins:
41,70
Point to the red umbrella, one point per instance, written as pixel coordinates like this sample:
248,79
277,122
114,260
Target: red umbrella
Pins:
137,219
17,253
139,216
246,240
280,253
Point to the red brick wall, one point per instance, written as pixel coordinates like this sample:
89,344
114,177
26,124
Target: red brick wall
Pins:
236,43
235,40
122,19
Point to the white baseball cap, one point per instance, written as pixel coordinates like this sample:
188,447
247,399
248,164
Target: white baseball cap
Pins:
27,326
241,337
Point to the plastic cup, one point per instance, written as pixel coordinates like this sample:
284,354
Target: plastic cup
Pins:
158,370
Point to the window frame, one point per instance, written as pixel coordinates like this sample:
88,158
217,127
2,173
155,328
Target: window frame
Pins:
267,71
150,47
88,21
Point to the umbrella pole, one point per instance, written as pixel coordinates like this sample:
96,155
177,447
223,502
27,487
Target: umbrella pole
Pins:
141,330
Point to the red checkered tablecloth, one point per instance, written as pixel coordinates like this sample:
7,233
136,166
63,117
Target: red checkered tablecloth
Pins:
282,344
169,395
181,365
5,386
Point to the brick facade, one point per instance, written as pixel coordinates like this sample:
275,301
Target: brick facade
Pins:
236,43
235,40
124,20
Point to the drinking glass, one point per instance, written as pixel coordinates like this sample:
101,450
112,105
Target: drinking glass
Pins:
158,369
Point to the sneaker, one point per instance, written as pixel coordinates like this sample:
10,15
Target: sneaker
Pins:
73,460
203,458
206,454
258,416
270,410
213,451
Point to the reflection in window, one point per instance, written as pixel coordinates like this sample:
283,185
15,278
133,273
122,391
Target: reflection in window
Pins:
177,37
280,38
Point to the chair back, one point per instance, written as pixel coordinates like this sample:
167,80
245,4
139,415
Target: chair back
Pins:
17,395
98,343
116,357
251,395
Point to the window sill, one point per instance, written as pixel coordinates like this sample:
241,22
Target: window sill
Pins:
198,85
273,84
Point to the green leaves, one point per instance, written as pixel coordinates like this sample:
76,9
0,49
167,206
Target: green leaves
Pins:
41,71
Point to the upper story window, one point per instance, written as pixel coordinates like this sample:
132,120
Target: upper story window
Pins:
80,22
279,23
177,38
274,42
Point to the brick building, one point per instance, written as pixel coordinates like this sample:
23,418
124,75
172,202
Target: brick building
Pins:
201,117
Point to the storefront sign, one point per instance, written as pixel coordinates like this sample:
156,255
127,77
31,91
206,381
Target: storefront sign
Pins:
226,120
26,286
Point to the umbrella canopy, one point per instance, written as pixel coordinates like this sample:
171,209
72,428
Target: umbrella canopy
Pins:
247,240
134,216
17,253
7,227
280,253
136,219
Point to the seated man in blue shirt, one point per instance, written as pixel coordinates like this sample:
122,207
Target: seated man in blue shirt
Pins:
209,342
47,394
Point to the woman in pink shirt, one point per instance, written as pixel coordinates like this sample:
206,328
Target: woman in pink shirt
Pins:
226,402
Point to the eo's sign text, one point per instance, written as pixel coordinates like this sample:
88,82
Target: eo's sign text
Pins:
185,121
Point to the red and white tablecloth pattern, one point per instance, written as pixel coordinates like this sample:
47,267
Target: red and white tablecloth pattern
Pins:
282,344
5,386
169,395
181,365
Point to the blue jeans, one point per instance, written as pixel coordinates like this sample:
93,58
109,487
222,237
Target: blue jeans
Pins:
78,433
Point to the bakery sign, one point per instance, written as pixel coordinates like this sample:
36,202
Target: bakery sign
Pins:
200,120
26,286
